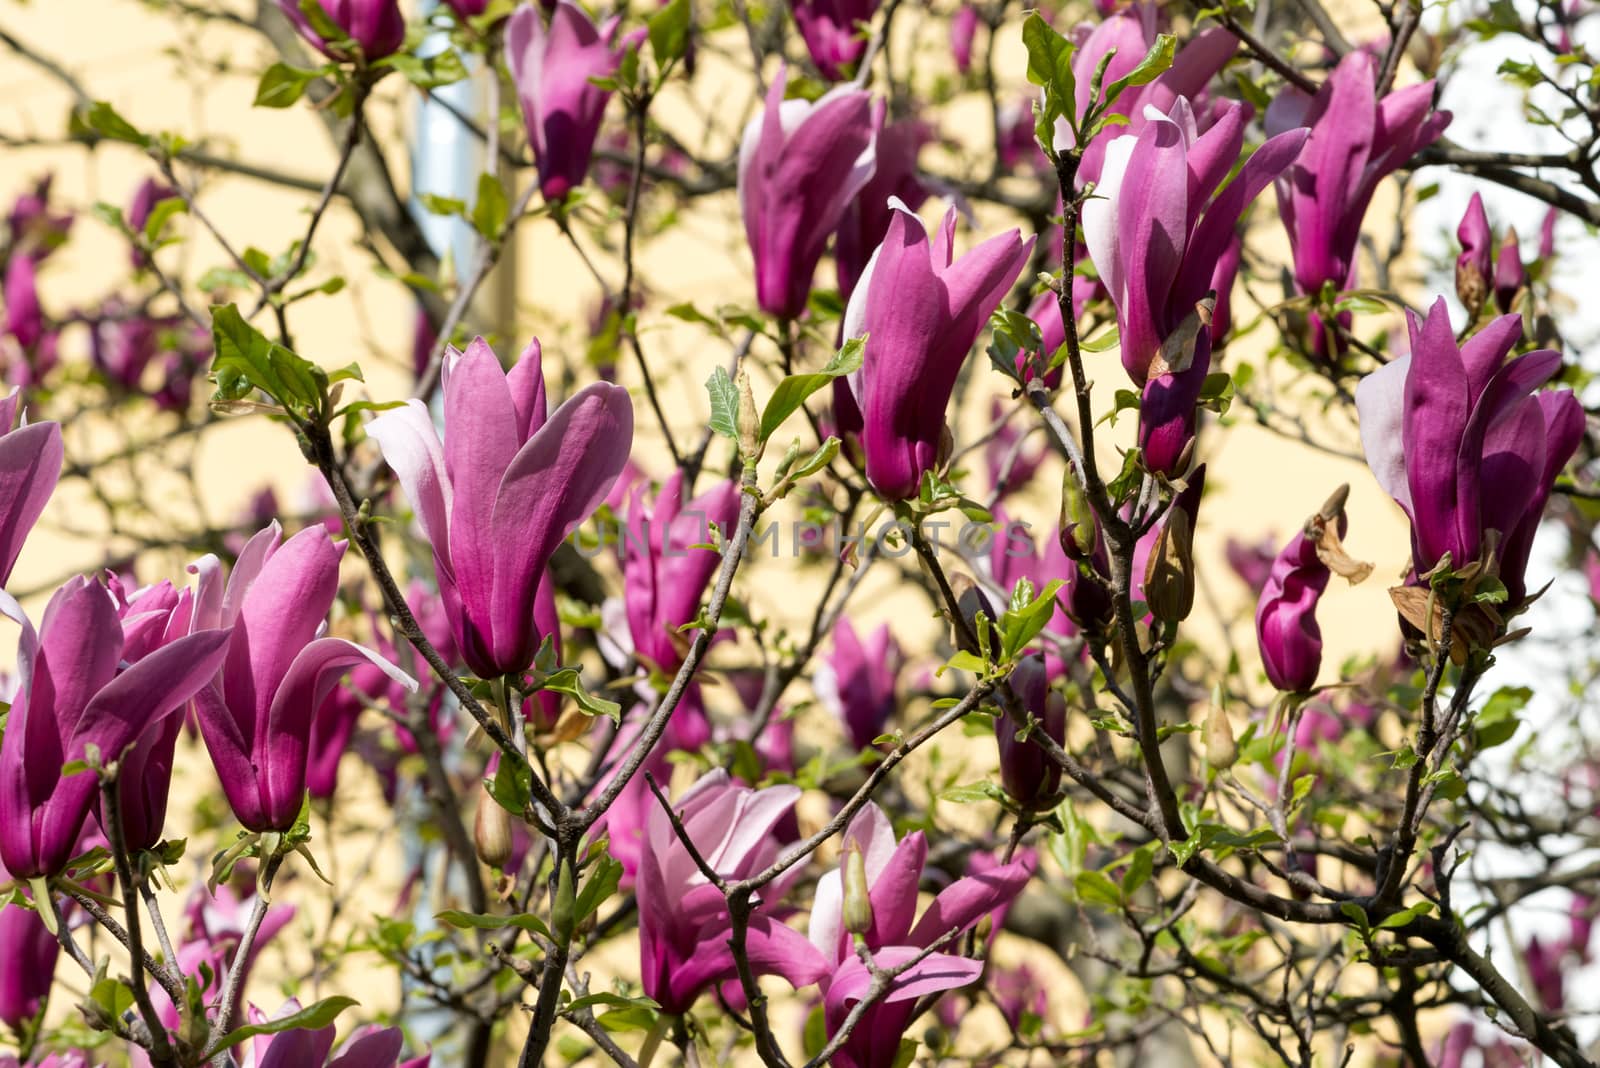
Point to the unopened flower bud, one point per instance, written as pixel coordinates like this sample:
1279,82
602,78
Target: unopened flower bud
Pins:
947,445
1286,614
564,907
1079,530
1473,265
1026,770
1169,573
750,445
491,832
1509,274
971,600
857,894
1217,734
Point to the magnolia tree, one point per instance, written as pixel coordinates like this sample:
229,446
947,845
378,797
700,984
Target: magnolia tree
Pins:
641,816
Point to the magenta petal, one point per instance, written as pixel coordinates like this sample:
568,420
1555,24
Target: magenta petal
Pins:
230,755
555,482
894,891
939,971
280,751
280,612
1436,412
525,380
1564,429
379,1048
412,448
1152,228
150,690
967,900
1484,352
481,439
1215,232
30,465
80,644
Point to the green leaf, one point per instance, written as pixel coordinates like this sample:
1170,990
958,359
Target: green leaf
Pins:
1140,868
112,996
526,921
793,390
217,278
490,210
688,313
1050,68
350,372
1096,888
164,210
669,32
1152,66
438,205
965,661
566,682
429,72
1020,626
245,360
815,1037
1216,392
599,888
973,793
282,86
512,786
1489,590
1405,916
724,404
605,997
635,1017
103,119
311,1018
111,215
819,459
323,26
1498,721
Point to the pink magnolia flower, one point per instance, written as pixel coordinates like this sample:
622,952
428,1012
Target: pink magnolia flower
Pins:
667,563
377,26
1356,140
894,174
856,680
256,717
963,29
1157,232
893,872
78,691
1287,633
33,230
683,919
833,33
801,164
561,107
498,496
921,309
1466,442
1127,36
1026,771
26,340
